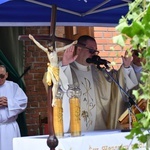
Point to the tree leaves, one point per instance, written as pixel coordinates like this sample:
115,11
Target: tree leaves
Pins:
136,27
119,39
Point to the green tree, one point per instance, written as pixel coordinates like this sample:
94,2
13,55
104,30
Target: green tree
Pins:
135,26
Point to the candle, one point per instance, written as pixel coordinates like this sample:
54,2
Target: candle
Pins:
74,93
58,118
75,123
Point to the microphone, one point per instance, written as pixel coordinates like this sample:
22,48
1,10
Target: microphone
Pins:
98,61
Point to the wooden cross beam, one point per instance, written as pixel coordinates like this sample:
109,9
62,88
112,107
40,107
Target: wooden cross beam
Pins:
52,37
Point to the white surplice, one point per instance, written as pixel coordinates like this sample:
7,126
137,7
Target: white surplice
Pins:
17,103
101,101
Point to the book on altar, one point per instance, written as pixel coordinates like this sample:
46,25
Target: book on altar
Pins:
124,118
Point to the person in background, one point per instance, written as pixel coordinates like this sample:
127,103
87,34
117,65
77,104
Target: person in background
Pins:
13,101
101,101
137,63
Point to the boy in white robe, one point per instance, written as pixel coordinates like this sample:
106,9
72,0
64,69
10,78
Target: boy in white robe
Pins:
13,101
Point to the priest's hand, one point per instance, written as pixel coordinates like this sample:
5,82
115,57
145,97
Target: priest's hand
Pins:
3,101
127,59
69,56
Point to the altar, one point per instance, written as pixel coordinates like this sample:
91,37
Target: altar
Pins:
95,140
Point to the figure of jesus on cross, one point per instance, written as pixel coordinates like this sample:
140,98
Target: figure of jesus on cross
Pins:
52,74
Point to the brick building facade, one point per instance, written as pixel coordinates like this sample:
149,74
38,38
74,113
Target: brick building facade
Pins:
37,59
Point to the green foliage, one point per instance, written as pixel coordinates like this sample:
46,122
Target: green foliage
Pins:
119,39
135,26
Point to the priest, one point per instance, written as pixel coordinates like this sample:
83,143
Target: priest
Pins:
102,101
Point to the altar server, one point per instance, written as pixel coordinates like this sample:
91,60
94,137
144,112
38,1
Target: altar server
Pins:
13,101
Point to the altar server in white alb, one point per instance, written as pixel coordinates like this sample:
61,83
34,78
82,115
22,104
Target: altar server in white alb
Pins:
13,101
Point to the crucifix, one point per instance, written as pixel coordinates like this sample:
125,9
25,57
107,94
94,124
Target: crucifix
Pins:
52,140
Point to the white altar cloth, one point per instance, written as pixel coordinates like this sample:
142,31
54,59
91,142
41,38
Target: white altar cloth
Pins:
96,140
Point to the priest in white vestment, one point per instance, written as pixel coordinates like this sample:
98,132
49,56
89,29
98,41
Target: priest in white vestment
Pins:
102,102
13,101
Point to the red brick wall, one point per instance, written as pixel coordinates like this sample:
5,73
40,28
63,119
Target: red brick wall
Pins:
37,59
103,36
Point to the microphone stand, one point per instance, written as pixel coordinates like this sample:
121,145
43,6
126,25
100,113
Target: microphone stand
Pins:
130,99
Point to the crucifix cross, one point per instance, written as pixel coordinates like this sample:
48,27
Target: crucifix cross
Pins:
52,140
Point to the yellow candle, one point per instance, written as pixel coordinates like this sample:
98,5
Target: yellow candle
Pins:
75,123
58,118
